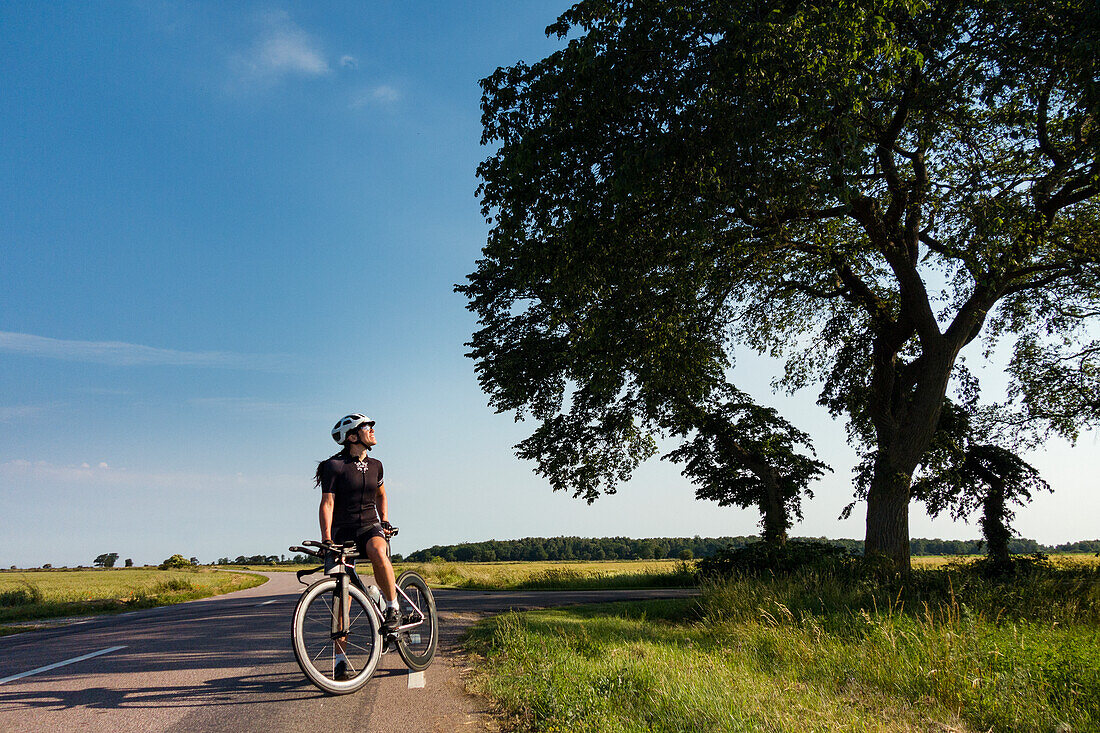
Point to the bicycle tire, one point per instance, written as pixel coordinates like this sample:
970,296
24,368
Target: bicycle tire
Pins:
312,637
417,645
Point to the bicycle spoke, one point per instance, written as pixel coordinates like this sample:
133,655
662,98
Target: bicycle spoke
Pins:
362,649
322,652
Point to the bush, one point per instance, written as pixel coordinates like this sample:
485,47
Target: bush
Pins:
762,558
175,562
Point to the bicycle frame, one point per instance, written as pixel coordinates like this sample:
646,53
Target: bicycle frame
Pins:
344,568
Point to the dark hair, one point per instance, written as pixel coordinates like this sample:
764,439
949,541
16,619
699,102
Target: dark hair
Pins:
317,476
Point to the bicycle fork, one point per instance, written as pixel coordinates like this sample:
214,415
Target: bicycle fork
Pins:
341,614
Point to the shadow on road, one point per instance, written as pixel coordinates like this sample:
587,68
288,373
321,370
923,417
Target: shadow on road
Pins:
210,656
268,688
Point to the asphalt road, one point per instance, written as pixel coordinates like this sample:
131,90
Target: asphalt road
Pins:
225,664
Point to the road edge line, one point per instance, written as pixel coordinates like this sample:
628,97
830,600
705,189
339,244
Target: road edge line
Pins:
55,665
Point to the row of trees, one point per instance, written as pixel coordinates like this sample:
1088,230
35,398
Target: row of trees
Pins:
626,548
868,190
264,560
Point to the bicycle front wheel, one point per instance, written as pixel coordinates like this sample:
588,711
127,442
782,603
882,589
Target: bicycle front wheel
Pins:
416,644
316,647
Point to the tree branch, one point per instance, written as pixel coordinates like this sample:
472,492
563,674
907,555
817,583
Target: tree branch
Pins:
1044,139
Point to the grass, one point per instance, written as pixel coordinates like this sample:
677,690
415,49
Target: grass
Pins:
947,651
579,575
28,596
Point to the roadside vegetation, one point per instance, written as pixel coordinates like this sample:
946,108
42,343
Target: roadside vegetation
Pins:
30,596
835,647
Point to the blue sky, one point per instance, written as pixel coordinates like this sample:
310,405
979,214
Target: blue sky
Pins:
225,225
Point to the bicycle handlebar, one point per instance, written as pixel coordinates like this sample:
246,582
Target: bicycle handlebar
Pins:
323,547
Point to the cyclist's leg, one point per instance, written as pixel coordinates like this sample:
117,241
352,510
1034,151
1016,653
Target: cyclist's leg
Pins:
376,550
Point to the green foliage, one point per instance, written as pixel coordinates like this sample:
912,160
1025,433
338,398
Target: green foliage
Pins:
627,548
264,560
106,560
762,557
962,474
576,548
746,455
176,561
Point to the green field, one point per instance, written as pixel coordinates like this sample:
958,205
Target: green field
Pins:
949,651
30,595
579,575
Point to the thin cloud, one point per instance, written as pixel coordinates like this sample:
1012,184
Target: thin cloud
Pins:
118,353
103,475
349,62
382,94
15,412
282,49
242,404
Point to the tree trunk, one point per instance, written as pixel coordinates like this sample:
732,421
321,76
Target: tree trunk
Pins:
994,527
905,419
888,516
773,510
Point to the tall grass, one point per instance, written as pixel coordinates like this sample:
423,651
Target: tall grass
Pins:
946,650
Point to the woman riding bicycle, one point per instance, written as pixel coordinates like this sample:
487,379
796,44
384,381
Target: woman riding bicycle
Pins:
353,504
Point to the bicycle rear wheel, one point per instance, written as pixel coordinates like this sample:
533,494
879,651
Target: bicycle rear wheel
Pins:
416,645
316,649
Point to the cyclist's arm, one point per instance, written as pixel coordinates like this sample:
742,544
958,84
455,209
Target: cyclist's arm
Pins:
328,501
380,501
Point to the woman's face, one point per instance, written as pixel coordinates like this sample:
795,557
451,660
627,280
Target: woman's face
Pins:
366,436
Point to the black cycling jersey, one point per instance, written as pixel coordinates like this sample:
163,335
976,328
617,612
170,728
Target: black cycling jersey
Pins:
355,486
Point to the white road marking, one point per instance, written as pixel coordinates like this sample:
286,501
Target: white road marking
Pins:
416,679
265,603
55,665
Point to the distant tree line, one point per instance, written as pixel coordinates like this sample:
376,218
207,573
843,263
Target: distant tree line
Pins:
657,548
263,560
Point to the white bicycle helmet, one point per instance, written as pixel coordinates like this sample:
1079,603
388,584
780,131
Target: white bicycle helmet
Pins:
345,425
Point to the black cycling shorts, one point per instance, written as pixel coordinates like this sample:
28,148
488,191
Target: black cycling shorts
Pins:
359,534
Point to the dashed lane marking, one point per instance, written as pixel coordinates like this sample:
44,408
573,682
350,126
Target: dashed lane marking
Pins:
416,679
55,665
265,603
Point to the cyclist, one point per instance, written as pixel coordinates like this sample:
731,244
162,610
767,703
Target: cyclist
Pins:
353,504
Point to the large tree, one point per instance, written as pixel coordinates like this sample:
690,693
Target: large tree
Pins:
863,188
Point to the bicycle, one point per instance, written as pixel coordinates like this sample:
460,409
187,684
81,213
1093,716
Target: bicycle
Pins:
340,613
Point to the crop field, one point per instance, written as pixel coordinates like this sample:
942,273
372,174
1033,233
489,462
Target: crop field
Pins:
937,561
949,650
562,575
50,594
